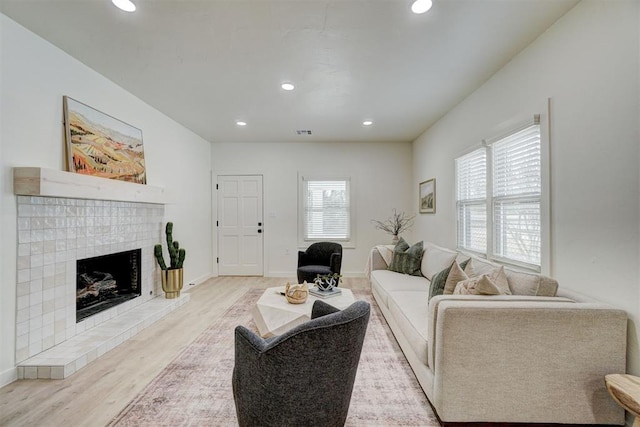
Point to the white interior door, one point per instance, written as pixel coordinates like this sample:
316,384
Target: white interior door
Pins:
240,251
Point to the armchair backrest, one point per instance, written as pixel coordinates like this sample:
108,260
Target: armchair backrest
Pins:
302,377
320,253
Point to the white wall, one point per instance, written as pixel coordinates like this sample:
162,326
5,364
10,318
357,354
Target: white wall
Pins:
637,312
34,76
381,181
587,63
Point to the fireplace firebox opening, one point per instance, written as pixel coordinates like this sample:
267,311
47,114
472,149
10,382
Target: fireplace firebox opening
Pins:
106,281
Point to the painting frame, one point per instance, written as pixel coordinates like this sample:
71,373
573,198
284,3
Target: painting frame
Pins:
427,196
101,145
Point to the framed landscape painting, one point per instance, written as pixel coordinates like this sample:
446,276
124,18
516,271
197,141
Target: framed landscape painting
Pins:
427,196
101,145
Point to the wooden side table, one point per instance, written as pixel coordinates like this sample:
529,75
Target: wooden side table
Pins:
625,389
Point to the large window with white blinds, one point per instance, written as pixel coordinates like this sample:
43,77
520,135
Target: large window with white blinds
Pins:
471,200
325,209
499,198
517,191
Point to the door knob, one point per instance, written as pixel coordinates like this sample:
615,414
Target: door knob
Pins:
259,231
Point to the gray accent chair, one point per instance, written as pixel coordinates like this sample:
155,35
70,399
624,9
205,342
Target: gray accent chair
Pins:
303,377
319,258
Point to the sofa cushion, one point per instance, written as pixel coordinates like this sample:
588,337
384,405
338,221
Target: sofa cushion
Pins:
469,268
462,257
401,246
438,281
456,275
479,266
385,281
522,283
409,310
436,259
499,278
407,260
315,270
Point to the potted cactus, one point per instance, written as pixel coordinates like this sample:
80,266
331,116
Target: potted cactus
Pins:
172,274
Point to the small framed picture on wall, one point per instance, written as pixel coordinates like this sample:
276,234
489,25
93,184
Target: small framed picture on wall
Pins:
427,196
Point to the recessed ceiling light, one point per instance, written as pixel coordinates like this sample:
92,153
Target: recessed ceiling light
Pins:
287,86
241,123
421,6
126,5
367,123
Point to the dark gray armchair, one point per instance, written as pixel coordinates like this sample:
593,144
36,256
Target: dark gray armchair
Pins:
319,258
303,377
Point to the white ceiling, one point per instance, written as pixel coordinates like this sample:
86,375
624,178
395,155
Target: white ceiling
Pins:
207,64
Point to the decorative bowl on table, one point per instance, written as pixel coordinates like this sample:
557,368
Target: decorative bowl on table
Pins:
296,294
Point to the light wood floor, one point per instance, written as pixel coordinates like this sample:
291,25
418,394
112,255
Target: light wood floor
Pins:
98,392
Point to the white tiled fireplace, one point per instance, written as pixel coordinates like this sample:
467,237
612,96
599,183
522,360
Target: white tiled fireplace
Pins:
53,234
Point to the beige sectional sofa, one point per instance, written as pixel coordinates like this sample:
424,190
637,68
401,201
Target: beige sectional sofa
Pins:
530,357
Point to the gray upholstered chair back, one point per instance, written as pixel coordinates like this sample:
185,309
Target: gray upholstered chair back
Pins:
303,377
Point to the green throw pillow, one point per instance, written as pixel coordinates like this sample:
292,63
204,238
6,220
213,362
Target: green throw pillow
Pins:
463,264
401,246
438,281
407,260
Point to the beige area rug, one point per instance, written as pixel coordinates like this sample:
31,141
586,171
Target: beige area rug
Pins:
195,389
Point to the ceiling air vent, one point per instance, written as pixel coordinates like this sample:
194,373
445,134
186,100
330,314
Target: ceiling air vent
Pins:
303,132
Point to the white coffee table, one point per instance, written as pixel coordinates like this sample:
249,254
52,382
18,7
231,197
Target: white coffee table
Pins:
274,315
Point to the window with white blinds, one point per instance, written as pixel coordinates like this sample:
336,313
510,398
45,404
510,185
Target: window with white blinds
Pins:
499,198
517,191
471,200
326,209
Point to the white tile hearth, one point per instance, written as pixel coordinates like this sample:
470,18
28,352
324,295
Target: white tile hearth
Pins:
66,358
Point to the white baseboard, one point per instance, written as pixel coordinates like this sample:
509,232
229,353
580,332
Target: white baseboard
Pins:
8,376
199,280
280,274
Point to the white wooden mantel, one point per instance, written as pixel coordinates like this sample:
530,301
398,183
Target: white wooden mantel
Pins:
30,181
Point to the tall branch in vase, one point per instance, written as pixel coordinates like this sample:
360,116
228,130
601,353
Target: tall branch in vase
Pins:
396,224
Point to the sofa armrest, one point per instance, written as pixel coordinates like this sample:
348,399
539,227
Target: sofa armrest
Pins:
377,261
526,361
435,302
